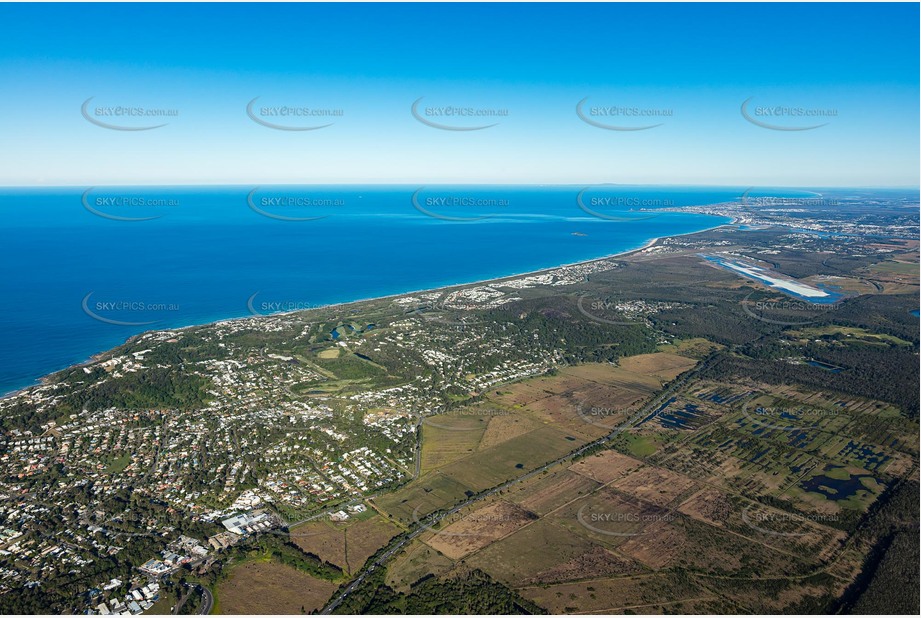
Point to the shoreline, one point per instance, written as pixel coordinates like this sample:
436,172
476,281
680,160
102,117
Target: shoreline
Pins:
450,286
43,380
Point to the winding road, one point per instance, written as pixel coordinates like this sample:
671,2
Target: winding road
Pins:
207,601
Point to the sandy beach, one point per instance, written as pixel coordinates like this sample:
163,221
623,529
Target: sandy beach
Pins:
442,289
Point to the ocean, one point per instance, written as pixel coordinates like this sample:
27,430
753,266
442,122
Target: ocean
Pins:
86,268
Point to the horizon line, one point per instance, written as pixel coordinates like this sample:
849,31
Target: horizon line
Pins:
443,183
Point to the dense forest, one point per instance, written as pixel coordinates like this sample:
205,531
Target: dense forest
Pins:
890,580
868,372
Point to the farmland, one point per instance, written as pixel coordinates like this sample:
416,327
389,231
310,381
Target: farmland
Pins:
347,544
724,481
266,587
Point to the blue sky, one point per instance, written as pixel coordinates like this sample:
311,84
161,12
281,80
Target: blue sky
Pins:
690,66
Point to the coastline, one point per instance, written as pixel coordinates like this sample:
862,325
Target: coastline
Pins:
43,380
451,286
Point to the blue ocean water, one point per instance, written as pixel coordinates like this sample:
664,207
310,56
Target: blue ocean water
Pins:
84,269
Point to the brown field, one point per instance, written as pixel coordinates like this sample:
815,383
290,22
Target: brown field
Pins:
609,595
552,491
528,391
429,493
323,539
524,425
623,396
692,544
609,517
475,530
571,411
618,377
663,365
348,544
453,436
606,466
785,531
272,588
585,401
446,439
512,458
660,538
595,563
656,485
615,382
707,550
709,505
658,546
504,428
532,550
702,606
414,563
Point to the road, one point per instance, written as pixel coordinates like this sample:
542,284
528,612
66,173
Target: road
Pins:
330,510
179,603
207,601
421,527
